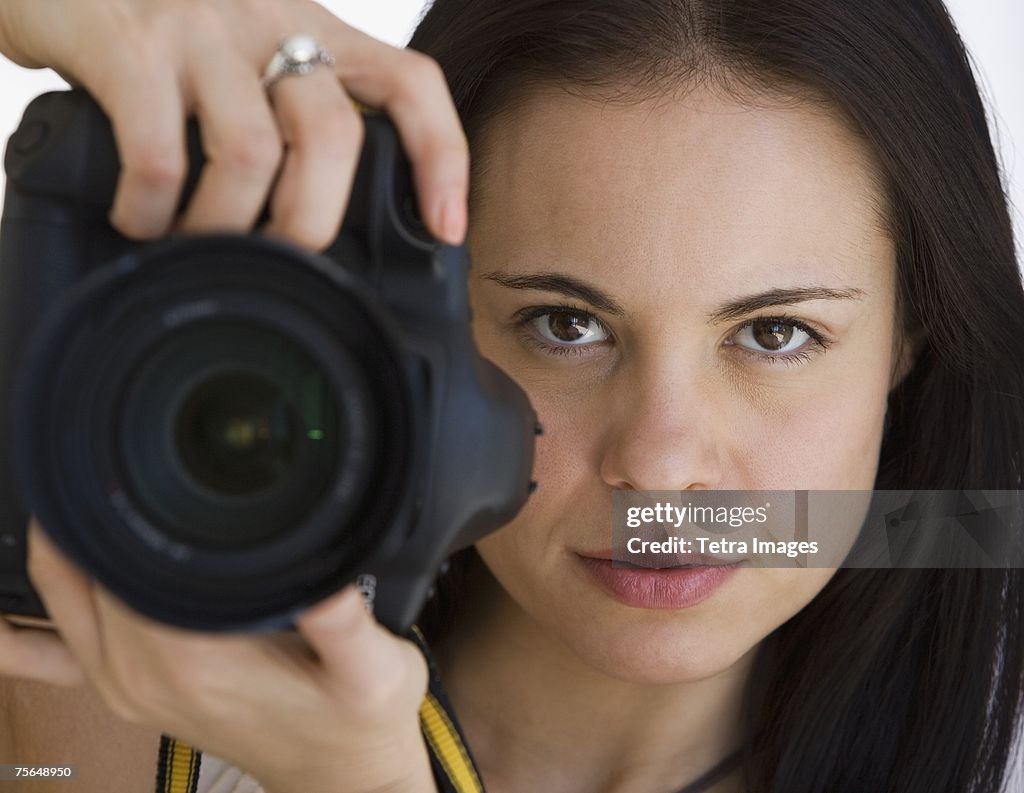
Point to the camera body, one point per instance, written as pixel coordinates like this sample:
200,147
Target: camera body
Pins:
226,429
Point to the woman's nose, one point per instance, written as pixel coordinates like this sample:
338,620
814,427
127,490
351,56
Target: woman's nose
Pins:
662,434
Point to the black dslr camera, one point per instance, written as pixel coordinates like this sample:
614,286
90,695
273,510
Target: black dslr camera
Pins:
226,429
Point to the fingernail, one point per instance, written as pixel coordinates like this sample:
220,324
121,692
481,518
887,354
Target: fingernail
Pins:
453,219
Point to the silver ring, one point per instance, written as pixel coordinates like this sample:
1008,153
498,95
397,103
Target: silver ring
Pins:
298,54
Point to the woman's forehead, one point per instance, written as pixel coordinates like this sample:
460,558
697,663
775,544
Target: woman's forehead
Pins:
722,185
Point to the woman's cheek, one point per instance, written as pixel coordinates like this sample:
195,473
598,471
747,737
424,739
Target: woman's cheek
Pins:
771,596
816,433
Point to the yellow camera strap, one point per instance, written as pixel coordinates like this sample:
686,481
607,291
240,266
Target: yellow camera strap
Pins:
454,770
177,769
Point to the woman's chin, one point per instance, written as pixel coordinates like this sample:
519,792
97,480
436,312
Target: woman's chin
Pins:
656,652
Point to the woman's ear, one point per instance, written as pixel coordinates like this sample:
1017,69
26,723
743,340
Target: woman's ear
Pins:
908,349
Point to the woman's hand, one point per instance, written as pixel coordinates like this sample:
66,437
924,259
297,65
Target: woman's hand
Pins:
330,708
150,63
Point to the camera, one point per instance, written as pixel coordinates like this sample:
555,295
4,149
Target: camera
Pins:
225,429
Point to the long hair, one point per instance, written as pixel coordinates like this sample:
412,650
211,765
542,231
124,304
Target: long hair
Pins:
889,681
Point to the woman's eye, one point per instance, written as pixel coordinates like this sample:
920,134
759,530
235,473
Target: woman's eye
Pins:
770,335
779,340
569,328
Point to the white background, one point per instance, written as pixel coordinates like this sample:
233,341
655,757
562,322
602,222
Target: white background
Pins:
989,27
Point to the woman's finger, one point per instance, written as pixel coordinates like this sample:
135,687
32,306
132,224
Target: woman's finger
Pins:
324,136
359,656
140,94
67,595
240,138
412,89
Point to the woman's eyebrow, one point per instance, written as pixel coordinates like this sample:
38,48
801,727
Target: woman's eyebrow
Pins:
780,297
563,284
574,287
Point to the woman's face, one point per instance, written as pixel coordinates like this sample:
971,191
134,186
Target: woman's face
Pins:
622,254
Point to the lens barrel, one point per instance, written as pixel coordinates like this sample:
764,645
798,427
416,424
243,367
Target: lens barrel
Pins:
235,414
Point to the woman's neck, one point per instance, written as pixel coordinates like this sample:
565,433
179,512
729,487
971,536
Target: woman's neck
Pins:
538,718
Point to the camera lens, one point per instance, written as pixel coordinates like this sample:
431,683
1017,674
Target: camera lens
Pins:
231,433
236,433
220,428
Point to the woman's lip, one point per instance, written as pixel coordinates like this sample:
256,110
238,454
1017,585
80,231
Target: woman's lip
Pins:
663,588
662,560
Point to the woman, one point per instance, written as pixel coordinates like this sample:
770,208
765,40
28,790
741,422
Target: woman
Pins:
722,245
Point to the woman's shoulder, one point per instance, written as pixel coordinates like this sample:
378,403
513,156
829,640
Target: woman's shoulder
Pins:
51,725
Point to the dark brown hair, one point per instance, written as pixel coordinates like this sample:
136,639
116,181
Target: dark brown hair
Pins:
889,681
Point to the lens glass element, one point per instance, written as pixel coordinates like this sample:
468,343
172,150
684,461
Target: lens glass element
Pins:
236,433
231,433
